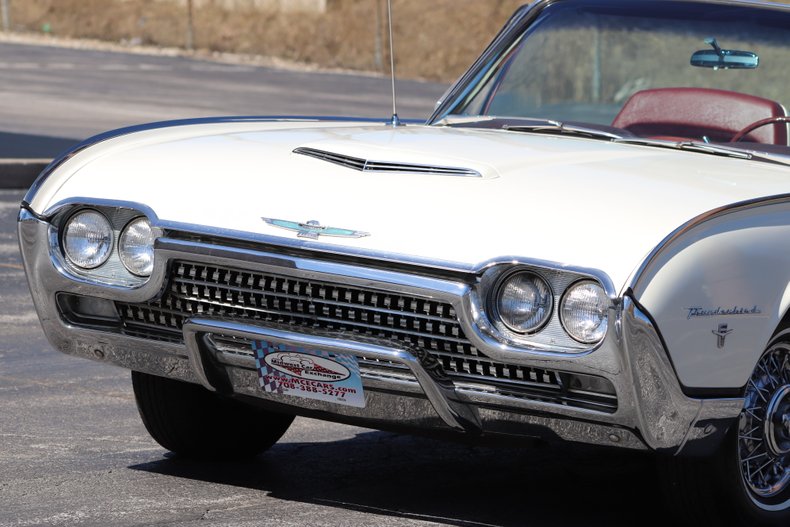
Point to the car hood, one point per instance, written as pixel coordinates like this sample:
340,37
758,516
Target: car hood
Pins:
572,201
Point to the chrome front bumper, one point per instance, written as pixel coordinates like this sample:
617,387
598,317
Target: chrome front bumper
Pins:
652,411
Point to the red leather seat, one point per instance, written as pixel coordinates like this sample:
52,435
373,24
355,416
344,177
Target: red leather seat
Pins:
696,112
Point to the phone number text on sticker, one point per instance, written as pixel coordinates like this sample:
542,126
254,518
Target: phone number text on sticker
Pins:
310,374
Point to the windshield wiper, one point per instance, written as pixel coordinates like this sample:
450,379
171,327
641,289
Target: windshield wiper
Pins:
691,146
461,120
557,127
527,124
551,126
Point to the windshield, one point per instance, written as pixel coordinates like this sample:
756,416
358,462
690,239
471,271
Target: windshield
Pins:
661,70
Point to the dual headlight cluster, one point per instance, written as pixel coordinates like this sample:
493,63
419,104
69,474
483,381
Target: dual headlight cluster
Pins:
524,302
89,239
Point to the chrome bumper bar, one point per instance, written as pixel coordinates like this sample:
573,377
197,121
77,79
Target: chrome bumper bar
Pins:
440,392
652,412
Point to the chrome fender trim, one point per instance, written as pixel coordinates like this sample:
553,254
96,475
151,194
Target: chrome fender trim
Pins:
669,420
637,280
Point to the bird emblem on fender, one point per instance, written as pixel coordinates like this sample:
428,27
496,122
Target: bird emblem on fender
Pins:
721,333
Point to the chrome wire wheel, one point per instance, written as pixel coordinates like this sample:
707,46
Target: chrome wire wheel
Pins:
764,431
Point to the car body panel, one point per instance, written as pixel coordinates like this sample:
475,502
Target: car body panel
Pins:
731,270
210,169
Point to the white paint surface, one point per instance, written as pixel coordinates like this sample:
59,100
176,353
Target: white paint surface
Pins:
572,201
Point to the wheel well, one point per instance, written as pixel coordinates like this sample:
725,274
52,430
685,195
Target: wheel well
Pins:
782,329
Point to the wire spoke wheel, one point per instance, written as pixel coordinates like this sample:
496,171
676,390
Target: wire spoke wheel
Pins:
764,431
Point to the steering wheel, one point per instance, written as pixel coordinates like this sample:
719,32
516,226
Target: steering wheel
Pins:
758,124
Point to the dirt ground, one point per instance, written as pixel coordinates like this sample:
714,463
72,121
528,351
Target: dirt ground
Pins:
435,39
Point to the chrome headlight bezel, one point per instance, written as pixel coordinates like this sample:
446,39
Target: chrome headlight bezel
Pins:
112,272
551,337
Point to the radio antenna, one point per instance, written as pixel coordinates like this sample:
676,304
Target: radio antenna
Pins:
395,121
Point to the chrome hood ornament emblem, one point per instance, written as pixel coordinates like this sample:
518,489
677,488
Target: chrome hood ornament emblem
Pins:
313,229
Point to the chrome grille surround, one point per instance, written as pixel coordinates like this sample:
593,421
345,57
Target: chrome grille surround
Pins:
423,324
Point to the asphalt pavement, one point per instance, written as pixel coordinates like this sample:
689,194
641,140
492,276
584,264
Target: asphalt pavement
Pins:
53,97
73,450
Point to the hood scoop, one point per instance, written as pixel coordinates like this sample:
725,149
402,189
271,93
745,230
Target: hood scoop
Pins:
367,165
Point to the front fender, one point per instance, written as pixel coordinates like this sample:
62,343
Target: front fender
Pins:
717,289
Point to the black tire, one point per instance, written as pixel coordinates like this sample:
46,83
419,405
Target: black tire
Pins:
714,491
193,422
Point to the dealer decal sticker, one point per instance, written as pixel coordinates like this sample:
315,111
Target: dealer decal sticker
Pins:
310,374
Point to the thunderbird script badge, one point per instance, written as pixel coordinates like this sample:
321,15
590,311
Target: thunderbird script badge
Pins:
313,229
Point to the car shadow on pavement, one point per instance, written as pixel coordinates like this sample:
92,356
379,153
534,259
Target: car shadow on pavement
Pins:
443,482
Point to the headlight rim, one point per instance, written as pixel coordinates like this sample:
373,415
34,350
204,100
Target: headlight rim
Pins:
123,231
493,302
561,318
63,239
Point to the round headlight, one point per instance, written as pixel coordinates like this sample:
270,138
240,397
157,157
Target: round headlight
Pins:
136,247
584,312
524,302
87,239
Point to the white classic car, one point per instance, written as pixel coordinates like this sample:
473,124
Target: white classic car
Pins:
588,241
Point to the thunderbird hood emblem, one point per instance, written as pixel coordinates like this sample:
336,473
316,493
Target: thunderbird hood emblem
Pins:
313,229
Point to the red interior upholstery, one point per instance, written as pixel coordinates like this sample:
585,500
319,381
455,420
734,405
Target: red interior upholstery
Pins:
696,112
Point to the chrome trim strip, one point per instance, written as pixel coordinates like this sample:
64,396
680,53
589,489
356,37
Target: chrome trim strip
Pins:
634,282
319,248
386,258
367,165
466,300
441,394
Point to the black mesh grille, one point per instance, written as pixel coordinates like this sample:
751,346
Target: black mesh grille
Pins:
197,290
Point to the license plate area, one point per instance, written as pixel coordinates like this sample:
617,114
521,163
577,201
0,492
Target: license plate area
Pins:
311,374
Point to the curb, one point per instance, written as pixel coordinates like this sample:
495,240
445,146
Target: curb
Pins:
20,173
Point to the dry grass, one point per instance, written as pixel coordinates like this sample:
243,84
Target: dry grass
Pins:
435,39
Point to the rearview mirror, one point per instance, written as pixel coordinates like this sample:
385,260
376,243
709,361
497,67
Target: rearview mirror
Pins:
725,59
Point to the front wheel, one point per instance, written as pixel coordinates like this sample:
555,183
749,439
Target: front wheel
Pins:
762,449
748,481
191,421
